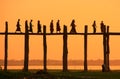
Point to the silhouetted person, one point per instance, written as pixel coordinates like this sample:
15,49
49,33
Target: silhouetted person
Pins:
103,68
73,30
102,26
39,27
94,27
30,29
18,26
26,25
58,26
51,26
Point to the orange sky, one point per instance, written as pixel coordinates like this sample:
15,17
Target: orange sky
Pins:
83,11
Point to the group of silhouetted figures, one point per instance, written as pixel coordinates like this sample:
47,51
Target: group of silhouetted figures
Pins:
30,29
39,26
102,27
58,29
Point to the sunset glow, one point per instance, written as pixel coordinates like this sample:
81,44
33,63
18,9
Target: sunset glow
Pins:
83,11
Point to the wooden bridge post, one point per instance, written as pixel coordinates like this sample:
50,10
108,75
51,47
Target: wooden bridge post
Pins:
108,50
26,54
104,48
65,50
6,47
85,48
45,48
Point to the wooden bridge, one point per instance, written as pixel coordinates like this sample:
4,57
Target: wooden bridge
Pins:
65,34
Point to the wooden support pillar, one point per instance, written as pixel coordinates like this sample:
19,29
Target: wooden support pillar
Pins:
65,50
6,47
105,48
85,48
26,54
108,50
45,48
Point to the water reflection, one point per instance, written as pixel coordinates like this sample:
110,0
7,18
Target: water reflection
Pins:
60,67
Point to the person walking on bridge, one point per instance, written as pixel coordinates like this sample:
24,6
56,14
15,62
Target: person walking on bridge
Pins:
18,26
73,30
30,29
94,27
51,27
58,29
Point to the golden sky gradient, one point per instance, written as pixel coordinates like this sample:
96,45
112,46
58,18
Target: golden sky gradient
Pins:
83,11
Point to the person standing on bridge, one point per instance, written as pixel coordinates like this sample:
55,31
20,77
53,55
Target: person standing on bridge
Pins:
58,29
26,25
94,27
30,29
102,26
51,27
39,27
18,26
73,30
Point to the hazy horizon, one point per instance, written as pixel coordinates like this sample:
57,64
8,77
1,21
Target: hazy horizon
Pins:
53,62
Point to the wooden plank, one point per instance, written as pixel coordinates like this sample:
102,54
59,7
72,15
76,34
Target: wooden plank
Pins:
110,33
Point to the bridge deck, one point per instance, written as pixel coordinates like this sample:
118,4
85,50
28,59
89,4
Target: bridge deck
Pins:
12,33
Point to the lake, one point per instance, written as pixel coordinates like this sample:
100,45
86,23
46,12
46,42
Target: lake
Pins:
60,67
